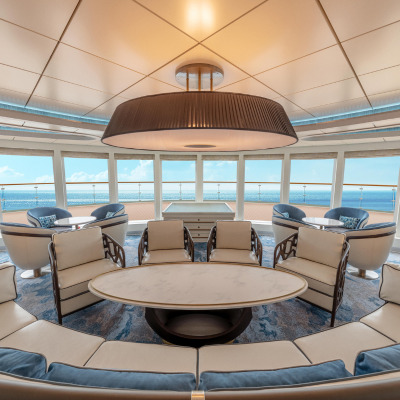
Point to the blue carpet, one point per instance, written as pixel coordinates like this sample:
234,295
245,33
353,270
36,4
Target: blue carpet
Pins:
281,321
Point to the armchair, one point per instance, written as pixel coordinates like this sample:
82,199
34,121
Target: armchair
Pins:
34,214
115,227
293,212
101,212
361,215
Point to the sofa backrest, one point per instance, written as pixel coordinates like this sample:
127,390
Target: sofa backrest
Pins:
78,247
390,283
234,235
165,235
321,246
8,284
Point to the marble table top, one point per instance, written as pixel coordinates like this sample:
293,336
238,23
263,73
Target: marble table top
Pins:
197,286
328,222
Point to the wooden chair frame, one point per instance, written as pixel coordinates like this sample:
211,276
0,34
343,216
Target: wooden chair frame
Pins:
113,250
144,244
256,244
287,248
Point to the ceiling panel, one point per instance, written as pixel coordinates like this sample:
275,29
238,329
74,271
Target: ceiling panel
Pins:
17,79
58,106
128,35
385,99
342,107
73,65
90,132
375,50
70,93
381,81
47,17
333,93
388,122
13,97
272,35
11,121
345,128
298,115
200,18
149,86
355,17
250,86
106,110
24,49
288,105
199,55
321,68
40,125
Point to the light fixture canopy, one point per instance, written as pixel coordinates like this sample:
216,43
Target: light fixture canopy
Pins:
204,121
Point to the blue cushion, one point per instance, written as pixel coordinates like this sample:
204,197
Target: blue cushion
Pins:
120,379
378,360
110,214
349,222
22,363
285,214
280,377
47,221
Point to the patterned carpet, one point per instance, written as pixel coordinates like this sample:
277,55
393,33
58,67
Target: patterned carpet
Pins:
281,321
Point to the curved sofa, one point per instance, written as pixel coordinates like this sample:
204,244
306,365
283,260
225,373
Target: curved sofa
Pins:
21,330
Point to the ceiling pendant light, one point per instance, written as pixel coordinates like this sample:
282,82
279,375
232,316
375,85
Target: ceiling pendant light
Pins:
202,120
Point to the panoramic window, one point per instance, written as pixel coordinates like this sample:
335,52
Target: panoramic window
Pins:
371,183
311,182
24,187
86,181
178,180
219,180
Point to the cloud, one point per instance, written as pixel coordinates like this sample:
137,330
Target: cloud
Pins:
82,176
45,179
9,172
143,172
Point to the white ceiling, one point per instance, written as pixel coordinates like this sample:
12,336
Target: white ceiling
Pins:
316,58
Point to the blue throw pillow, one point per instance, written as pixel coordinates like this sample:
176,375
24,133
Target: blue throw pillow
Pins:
22,363
180,382
285,214
349,222
110,214
280,377
378,360
47,221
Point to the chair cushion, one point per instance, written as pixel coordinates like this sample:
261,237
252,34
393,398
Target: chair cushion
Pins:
234,235
165,235
285,214
318,276
166,256
75,280
15,316
22,363
390,283
78,247
62,373
281,377
349,222
8,285
234,256
110,214
321,246
47,221
378,360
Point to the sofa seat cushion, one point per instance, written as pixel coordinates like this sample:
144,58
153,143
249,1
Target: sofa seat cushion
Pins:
233,256
280,377
56,343
144,357
250,356
385,320
166,256
13,317
181,382
378,360
22,363
343,342
75,280
318,276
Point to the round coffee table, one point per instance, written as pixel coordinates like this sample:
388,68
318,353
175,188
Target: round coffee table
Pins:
74,221
194,304
323,223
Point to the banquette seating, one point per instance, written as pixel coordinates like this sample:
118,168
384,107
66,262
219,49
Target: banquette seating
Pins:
45,216
234,242
42,360
76,257
165,241
109,210
353,218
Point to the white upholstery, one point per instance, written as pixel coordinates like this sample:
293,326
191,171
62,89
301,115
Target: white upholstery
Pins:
165,235
166,256
13,317
56,343
389,287
233,256
144,357
78,247
281,232
251,356
343,342
8,285
385,320
115,227
320,246
233,235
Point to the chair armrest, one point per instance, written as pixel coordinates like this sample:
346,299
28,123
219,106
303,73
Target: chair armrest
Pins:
256,245
142,248
286,248
341,276
54,277
189,246
212,242
114,250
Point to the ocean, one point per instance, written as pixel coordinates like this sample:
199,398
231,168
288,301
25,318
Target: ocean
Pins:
378,200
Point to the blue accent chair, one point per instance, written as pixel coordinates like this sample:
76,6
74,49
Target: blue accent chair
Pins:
101,212
362,215
294,212
34,214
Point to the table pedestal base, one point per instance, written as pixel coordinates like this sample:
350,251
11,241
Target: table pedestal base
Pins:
198,328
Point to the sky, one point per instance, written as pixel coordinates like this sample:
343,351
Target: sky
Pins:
33,169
